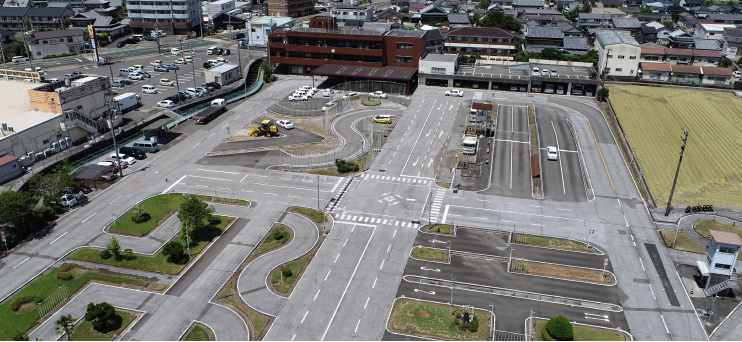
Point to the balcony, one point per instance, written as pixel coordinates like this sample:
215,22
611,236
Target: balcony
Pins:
323,48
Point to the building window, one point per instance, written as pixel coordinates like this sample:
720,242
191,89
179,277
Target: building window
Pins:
438,70
404,46
619,69
620,56
728,250
607,70
404,59
711,60
673,58
632,57
722,266
610,56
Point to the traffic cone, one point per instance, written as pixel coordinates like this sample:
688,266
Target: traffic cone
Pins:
691,290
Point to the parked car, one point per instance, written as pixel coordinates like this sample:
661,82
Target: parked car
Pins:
132,152
378,94
126,158
202,90
455,92
298,97
71,190
156,63
738,74
220,60
109,177
131,40
285,124
69,200
84,188
208,65
120,44
554,73
185,95
175,51
384,119
165,104
172,67
212,84
535,72
120,163
161,69
181,61
189,59
327,92
329,105
167,82
350,96
226,52
136,76
551,153
112,167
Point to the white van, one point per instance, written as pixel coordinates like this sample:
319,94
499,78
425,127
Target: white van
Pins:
127,70
175,51
137,67
118,83
144,145
18,59
210,51
148,89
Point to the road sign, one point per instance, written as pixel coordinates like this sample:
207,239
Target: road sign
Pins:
2,235
592,231
605,261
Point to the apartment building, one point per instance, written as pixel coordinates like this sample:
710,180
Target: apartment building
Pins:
13,18
618,53
55,43
173,17
345,12
290,8
47,18
490,43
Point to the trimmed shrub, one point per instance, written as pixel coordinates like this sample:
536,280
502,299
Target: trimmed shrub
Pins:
102,316
64,275
286,272
67,267
140,217
474,325
344,167
128,254
215,220
173,250
105,254
278,234
23,300
560,329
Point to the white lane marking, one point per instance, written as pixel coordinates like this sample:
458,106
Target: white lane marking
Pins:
445,214
348,284
115,199
336,258
16,266
418,136
55,240
357,324
395,231
210,135
292,337
346,241
316,294
389,248
328,274
374,285
176,183
336,184
382,264
83,221
305,317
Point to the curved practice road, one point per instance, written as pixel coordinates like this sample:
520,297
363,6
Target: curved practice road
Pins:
252,283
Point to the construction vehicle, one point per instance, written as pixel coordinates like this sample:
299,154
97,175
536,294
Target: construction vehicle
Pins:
266,128
469,146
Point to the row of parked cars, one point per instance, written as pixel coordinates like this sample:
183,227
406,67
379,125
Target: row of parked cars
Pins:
303,94
171,101
128,155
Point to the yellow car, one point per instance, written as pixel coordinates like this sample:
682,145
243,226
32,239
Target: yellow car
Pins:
329,105
350,96
181,61
156,63
382,119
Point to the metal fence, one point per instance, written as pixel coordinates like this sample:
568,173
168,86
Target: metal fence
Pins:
312,107
51,303
370,86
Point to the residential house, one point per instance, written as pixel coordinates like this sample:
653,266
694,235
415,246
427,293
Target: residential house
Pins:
458,19
652,54
691,3
17,3
631,25
434,41
613,12
224,20
678,38
650,17
344,12
47,18
630,11
687,74
490,43
523,4
56,43
100,23
14,18
655,71
678,56
646,34
659,2
575,45
433,15
416,7
726,18
6,37
538,38
618,53
716,76
706,57
611,3
570,30
707,44
732,44
504,4
400,3
711,30
390,16
543,16
592,20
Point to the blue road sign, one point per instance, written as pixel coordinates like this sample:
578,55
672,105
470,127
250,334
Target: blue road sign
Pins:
592,231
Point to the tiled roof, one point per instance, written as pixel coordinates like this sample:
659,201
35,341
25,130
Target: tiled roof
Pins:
650,51
7,159
575,43
626,23
679,52
544,32
656,66
706,53
381,27
458,18
615,37
480,32
717,71
57,34
686,69
47,11
406,33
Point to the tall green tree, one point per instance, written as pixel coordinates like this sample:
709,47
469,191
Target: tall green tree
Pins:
194,212
51,185
65,324
498,19
725,62
483,4
102,316
18,211
114,247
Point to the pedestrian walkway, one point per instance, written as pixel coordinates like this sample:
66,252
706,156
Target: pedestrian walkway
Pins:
377,221
435,207
398,179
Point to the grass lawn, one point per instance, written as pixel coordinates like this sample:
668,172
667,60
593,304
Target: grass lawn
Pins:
315,215
652,118
432,320
584,333
561,272
703,228
556,243
197,334
423,253
158,287
226,292
269,242
12,322
157,207
158,262
258,321
86,332
371,102
440,228
233,201
295,267
684,242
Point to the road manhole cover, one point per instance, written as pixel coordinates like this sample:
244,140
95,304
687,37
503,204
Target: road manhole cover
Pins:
410,329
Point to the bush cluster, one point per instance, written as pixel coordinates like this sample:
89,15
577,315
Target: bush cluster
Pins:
67,267
559,329
23,300
64,275
173,250
286,272
344,167
466,322
140,217
102,316
105,254
279,234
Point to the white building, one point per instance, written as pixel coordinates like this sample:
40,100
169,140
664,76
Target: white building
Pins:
711,31
173,17
721,259
259,29
56,43
438,69
618,53
223,74
344,12
212,9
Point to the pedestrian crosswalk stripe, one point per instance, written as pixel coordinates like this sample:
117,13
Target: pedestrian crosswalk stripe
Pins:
354,218
366,220
384,221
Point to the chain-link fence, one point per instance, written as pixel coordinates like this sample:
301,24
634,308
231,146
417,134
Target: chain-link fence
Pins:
370,86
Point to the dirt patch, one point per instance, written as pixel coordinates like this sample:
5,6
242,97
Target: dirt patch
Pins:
423,314
561,272
26,308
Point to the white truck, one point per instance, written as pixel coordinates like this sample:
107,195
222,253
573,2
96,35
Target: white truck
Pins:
469,146
126,101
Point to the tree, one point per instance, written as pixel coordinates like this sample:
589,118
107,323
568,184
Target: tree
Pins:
669,24
725,62
559,328
51,185
102,316
604,93
17,211
445,24
404,10
483,4
193,212
645,10
675,17
65,23
65,324
739,61
498,19
20,336
173,250
266,67
560,8
114,247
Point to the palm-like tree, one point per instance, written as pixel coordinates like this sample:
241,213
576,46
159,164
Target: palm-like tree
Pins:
65,324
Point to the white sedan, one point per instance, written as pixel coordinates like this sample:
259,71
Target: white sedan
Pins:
165,104
378,94
127,159
285,124
298,97
551,153
455,92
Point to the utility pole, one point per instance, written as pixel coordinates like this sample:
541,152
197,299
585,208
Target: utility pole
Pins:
115,148
450,311
677,171
239,58
188,241
318,207
193,67
177,84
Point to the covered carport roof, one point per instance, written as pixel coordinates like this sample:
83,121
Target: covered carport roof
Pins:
91,172
370,73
